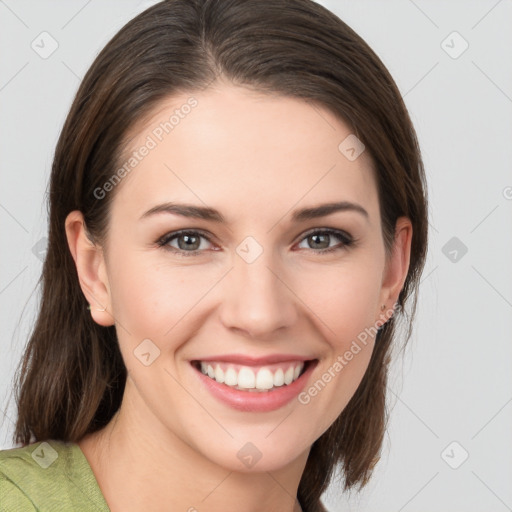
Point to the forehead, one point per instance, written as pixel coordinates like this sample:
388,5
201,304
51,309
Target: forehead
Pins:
239,150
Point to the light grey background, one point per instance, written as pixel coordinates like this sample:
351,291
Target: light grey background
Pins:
454,383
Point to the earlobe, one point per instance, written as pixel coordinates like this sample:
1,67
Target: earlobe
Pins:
90,265
396,268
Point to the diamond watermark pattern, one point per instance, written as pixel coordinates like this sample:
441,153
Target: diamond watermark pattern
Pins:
351,147
454,455
249,249
44,45
454,249
45,455
39,249
454,45
146,352
249,454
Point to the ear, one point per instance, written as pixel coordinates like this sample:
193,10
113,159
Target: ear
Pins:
90,265
396,268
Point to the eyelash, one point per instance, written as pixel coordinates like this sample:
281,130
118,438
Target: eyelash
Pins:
346,239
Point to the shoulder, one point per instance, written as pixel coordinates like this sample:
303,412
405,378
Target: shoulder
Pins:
47,475
13,473
12,498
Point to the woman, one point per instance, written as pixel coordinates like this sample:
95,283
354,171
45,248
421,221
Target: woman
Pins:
238,217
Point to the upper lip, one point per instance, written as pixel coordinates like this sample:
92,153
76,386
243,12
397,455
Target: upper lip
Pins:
254,361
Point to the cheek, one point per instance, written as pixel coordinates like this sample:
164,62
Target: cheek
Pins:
345,301
354,324
152,300
139,295
346,306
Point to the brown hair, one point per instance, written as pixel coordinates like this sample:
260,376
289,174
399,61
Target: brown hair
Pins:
72,376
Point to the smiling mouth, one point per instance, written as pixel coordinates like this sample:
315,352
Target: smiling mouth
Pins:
259,379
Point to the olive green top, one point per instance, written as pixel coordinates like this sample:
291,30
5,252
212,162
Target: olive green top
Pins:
48,476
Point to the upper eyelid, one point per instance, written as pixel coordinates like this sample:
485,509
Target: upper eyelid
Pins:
331,231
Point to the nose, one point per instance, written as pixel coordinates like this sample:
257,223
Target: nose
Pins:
257,299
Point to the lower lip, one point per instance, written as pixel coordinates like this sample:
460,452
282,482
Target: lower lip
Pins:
253,401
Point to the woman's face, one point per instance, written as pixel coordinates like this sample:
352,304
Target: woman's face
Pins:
250,288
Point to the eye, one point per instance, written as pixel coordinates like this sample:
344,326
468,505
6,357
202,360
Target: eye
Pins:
320,239
189,242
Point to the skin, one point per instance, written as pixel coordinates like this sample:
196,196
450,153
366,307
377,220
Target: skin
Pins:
255,158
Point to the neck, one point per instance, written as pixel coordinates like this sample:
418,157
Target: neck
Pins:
140,465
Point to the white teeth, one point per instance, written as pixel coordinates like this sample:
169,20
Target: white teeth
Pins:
264,379
219,374
279,377
231,378
246,379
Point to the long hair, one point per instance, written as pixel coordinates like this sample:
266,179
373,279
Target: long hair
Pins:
71,379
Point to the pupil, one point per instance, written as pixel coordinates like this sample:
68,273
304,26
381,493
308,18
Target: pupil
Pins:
189,241
316,237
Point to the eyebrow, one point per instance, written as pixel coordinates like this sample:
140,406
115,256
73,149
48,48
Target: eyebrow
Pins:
211,214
